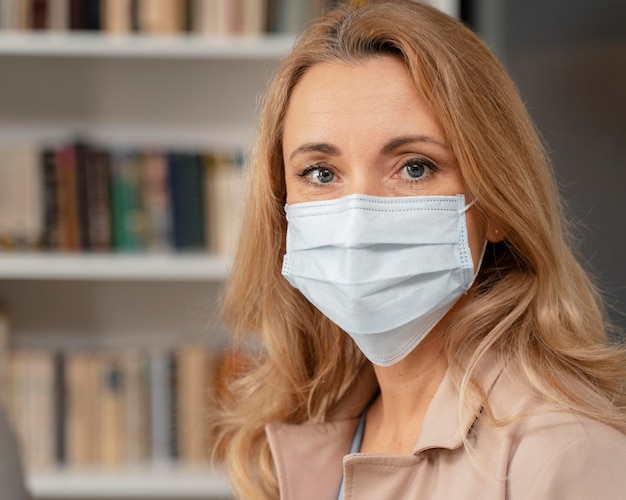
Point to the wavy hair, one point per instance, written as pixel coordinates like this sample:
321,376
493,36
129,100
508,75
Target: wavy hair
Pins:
532,303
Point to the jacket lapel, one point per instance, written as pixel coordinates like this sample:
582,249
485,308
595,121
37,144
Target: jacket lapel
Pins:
309,457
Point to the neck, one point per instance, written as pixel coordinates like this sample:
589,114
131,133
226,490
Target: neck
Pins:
394,420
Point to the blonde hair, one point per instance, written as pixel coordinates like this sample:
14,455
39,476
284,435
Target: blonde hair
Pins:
533,303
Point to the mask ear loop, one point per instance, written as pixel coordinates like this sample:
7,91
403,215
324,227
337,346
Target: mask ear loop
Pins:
482,253
467,207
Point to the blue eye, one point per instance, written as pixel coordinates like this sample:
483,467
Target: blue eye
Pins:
317,174
417,168
323,175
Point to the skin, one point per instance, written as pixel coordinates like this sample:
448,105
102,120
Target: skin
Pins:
363,128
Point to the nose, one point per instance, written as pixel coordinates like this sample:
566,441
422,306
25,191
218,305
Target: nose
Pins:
367,182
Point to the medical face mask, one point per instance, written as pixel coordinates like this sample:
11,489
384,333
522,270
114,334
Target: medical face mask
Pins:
385,270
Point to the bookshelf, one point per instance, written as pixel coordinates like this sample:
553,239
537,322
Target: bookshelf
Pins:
134,90
139,91
171,483
83,44
106,267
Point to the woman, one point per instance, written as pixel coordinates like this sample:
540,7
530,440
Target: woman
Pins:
426,331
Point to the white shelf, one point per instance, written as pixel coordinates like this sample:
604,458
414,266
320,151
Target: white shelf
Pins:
153,482
104,267
82,44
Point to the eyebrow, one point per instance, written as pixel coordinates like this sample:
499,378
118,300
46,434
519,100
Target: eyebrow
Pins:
316,147
398,142
392,145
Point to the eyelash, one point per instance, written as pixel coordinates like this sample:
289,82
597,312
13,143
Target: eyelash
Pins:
306,171
428,165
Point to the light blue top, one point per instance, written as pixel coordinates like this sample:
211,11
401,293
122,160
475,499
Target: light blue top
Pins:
357,440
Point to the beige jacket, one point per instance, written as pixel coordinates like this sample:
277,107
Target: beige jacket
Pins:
548,455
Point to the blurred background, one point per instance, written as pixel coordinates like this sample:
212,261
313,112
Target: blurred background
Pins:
568,58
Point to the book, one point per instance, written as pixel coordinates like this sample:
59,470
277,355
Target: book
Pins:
21,211
157,201
8,14
82,422
28,190
39,14
292,16
127,211
67,200
22,18
94,173
84,169
60,407
186,184
8,206
254,17
4,355
58,11
116,16
211,17
137,411
161,17
111,400
50,231
161,403
77,14
31,405
92,15
195,368
225,199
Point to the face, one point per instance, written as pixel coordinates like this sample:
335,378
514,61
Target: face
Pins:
362,128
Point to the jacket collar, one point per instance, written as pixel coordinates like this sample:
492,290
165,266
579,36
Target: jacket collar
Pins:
447,422
303,454
308,458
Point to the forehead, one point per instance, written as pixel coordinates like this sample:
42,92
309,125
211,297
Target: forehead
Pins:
377,93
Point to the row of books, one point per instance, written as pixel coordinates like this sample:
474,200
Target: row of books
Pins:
109,408
80,197
165,17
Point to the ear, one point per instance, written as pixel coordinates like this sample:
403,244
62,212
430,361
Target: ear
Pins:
494,234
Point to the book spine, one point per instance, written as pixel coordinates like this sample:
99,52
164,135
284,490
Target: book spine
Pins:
111,401
83,172
39,10
126,201
4,357
225,201
60,416
137,410
160,409
113,408
59,15
92,15
31,405
157,201
186,180
50,238
193,367
77,14
83,417
8,14
69,235
98,209
116,16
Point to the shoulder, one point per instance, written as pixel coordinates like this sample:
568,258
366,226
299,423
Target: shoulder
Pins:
561,455
555,453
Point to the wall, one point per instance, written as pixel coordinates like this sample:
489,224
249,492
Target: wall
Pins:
569,60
